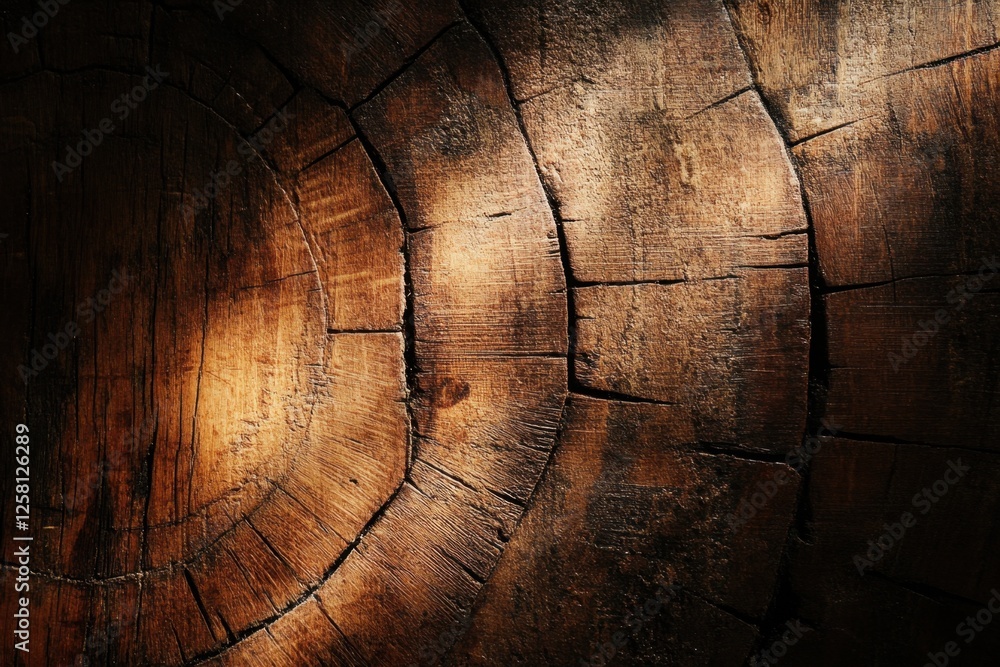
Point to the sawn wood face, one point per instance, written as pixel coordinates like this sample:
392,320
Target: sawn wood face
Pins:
501,333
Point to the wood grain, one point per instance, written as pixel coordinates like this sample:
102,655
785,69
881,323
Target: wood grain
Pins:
628,506
732,351
507,315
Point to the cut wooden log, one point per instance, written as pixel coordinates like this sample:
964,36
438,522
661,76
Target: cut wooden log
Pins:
357,255
910,192
916,360
917,586
821,65
732,352
230,75
316,130
179,336
345,51
684,174
895,146
357,239
306,637
626,509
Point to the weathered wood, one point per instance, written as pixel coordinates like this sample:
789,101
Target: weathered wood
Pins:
345,50
909,601
489,335
231,75
731,352
508,313
928,381
823,64
912,191
162,356
306,637
684,175
316,130
360,434
891,112
185,498
626,506
357,238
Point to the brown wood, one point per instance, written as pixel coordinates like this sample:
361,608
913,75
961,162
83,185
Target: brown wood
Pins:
627,505
505,318
901,391
732,351
894,176
856,488
358,240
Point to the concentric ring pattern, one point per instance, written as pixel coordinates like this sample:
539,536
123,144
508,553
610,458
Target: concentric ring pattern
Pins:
452,331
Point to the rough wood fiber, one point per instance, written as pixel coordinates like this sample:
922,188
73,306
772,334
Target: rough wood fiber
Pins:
231,485
911,192
626,506
911,599
231,75
731,351
317,130
327,422
345,50
822,64
685,175
164,355
927,382
891,110
357,239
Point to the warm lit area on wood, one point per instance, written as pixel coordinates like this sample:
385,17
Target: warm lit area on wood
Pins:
513,333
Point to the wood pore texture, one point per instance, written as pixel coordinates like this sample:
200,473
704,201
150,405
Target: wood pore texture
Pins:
500,343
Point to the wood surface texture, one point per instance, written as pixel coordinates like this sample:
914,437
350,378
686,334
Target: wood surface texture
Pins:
517,332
